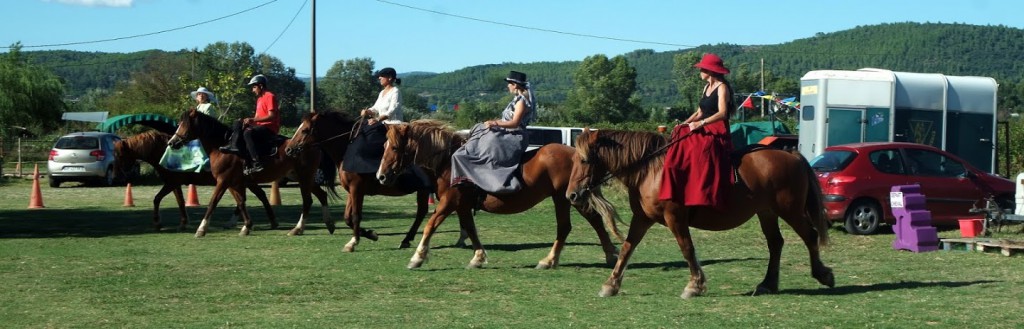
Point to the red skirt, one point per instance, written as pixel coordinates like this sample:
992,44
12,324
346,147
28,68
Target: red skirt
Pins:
698,169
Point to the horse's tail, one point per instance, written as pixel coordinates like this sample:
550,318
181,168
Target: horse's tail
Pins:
330,175
815,202
607,211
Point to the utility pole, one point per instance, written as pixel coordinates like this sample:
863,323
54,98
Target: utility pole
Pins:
312,78
762,86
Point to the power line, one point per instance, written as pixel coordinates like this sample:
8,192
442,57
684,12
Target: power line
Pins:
536,28
286,27
147,34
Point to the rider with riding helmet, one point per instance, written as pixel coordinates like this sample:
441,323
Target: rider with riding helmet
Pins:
263,126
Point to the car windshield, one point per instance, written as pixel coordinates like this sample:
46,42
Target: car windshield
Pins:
77,143
832,161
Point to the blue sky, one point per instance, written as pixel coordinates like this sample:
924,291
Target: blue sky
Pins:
446,35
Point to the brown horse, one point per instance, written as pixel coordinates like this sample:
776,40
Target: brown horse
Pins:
227,170
331,132
149,147
545,174
771,184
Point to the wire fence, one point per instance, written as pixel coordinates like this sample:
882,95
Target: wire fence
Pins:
19,156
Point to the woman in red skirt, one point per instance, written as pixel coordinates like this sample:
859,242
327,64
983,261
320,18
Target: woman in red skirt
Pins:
697,168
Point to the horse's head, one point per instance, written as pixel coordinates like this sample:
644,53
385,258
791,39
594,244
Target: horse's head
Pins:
304,136
397,153
588,168
185,131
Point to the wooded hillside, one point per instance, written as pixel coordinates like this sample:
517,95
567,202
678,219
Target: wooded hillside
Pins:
952,49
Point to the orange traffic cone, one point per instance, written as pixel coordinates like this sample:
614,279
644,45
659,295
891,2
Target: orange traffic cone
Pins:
192,200
35,201
275,195
129,201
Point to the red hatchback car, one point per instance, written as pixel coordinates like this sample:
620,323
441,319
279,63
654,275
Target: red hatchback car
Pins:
856,180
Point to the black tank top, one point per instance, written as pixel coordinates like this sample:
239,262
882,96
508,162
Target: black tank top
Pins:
709,103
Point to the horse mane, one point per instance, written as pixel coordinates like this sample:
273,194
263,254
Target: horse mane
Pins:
623,151
209,126
334,116
431,140
148,146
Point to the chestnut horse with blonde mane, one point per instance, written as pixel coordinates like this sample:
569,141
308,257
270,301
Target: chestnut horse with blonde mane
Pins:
227,170
545,175
331,131
771,184
149,147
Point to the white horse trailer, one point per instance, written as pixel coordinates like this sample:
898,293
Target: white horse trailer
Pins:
953,113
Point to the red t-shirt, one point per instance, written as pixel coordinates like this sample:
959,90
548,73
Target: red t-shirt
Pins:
266,103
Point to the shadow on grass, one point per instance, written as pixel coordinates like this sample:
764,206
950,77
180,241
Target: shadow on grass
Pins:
50,223
884,286
665,266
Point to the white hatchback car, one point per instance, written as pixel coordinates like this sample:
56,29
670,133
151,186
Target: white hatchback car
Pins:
83,157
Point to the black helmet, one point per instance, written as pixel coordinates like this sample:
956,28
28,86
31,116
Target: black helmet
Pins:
258,79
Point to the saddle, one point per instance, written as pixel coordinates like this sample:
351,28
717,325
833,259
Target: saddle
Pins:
266,148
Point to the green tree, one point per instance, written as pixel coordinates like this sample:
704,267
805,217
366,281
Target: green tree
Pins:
604,91
30,96
224,68
349,85
688,83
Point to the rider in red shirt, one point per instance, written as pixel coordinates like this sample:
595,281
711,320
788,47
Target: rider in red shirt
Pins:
263,126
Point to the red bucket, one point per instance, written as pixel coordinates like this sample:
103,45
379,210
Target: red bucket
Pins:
970,227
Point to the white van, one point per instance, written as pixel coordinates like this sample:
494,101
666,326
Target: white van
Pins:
540,135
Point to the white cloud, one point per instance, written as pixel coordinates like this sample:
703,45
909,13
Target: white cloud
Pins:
97,3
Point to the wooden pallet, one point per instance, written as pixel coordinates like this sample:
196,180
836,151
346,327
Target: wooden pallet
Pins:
1004,246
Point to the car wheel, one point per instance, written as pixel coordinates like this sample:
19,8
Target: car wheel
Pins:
54,182
863,218
319,177
1006,203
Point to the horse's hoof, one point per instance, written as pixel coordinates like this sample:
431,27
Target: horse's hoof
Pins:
200,234
474,265
608,291
543,266
294,232
404,245
691,292
348,248
414,264
370,234
330,228
763,290
243,232
826,277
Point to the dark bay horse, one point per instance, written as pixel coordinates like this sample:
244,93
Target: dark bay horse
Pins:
149,147
430,145
772,184
331,132
227,170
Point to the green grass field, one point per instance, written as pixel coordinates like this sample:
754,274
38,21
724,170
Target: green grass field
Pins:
86,261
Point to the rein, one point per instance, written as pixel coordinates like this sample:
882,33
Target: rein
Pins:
331,138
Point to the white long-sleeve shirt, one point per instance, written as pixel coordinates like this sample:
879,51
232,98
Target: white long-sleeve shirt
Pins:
389,104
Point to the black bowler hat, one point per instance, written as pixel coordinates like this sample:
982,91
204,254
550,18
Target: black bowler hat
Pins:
517,77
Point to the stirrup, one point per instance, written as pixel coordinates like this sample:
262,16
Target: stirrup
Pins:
256,167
